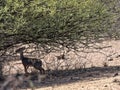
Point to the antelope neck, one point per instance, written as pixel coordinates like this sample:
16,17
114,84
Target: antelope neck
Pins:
21,55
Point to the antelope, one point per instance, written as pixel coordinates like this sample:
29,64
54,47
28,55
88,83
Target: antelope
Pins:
27,62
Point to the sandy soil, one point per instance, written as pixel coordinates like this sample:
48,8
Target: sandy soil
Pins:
102,71
101,84
99,79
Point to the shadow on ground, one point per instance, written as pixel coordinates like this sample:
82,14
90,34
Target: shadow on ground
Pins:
71,76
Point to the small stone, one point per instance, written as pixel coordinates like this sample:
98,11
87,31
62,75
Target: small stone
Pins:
111,59
106,86
116,74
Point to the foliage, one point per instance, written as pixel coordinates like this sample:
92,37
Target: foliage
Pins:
52,21
114,8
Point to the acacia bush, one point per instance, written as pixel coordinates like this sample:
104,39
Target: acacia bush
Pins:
53,21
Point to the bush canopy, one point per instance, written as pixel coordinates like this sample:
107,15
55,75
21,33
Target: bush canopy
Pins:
52,21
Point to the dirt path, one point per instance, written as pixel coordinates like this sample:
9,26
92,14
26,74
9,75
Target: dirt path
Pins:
111,83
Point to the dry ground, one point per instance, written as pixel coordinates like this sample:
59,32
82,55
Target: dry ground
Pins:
100,84
98,78
95,76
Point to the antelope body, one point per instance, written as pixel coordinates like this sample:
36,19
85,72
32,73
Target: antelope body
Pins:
27,62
